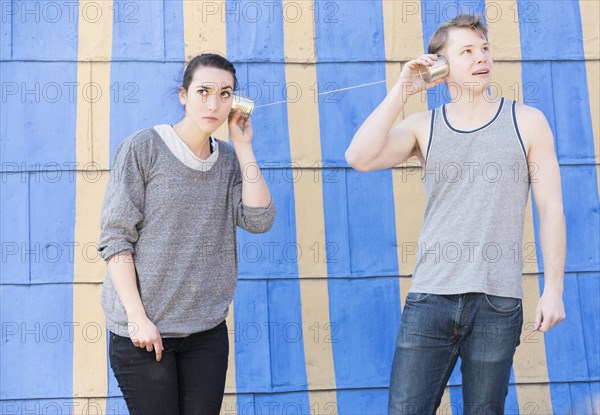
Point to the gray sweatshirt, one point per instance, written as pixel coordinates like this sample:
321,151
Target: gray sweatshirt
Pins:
180,226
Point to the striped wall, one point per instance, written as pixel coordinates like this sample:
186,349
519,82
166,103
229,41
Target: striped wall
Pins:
319,299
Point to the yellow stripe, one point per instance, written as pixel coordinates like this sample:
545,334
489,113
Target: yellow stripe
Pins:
92,126
204,31
532,399
445,407
403,30
305,149
403,42
204,27
590,26
530,359
409,203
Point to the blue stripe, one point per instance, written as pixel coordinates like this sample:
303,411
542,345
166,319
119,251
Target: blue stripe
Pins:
173,18
8,12
14,228
244,404
266,84
364,320
288,370
252,347
39,106
550,30
44,30
456,375
143,94
37,341
116,406
47,406
275,253
561,398
581,399
335,212
456,396
574,134
565,344
359,402
52,226
350,31
575,398
371,224
138,32
358,207
254,31
282,403
38,133
582,214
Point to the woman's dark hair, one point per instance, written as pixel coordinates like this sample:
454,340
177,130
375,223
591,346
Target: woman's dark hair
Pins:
207,60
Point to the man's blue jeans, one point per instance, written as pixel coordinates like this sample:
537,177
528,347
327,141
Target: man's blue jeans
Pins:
482,329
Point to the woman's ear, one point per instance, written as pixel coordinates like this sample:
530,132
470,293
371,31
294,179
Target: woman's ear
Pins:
182,96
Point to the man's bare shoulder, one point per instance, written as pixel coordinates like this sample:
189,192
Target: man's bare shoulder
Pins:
533,126
418,119
418,123
529,116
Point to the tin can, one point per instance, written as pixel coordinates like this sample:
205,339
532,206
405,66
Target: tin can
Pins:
438,70
245,105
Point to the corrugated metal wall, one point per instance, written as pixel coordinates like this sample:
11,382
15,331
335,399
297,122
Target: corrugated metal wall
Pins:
318,305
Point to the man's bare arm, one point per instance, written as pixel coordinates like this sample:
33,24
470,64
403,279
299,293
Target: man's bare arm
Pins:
547,192
376,145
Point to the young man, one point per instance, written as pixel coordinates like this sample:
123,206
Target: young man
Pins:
465,300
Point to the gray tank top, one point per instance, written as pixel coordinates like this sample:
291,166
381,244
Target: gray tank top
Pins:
477,184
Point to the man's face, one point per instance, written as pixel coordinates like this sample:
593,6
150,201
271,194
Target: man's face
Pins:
469,58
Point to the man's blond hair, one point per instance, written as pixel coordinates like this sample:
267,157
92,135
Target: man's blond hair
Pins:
438,41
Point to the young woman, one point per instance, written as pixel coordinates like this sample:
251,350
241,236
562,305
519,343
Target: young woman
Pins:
168,234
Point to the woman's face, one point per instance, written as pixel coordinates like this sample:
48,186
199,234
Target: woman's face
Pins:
209,98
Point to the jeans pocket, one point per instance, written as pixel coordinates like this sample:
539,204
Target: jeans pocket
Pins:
412,297
504,305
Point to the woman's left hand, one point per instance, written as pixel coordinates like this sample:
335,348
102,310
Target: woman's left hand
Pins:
240,128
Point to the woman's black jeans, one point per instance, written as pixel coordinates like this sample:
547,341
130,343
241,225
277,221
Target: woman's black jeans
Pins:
189,379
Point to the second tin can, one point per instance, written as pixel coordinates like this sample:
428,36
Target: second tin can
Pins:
245,105
438,70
